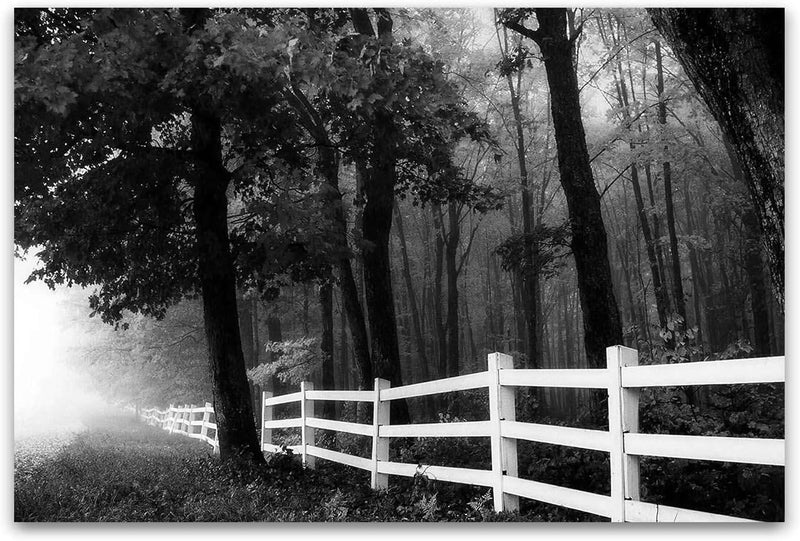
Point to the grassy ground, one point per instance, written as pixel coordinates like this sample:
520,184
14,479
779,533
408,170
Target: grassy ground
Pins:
121,470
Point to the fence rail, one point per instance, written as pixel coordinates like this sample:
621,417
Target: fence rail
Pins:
183,420
623,380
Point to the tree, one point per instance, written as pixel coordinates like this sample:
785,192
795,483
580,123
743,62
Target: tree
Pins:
735,58
145,217
601,320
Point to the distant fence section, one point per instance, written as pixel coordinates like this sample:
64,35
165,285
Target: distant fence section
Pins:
191,421
622,378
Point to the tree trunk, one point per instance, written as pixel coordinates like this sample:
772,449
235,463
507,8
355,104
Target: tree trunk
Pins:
735,58
601,321
439,328
529,278
451,246
232,404
416,324
329,167
677,278
379,175
326,345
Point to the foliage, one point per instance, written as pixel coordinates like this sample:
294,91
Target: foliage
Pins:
296,361
548,245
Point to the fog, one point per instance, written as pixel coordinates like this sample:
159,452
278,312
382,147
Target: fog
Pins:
49,395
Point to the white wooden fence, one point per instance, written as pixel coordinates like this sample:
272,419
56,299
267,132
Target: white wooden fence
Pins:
191,421
622,378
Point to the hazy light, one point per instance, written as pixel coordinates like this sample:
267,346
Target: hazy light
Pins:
48,395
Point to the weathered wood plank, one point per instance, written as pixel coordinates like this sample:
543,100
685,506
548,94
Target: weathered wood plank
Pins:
284,399
589,502
437,430
650,512
284,423
340,426
465,476
341,458
585,378
723,449
757,370
342,396
583,438
458,383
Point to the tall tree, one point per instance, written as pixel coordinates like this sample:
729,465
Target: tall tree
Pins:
735,58
601,320
675,259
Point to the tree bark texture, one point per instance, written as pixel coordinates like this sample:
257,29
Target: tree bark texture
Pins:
735,58
232,404
379,173
601,320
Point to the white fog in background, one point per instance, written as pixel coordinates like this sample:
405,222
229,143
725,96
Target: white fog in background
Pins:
49,397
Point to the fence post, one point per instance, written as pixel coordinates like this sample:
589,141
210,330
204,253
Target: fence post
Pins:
266,415
623,418
206,420
171,418
380,446
307,432
502,406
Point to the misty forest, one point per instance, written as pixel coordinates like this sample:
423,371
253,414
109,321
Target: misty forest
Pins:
227,205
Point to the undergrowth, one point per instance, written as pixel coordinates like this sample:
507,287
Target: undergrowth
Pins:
122,470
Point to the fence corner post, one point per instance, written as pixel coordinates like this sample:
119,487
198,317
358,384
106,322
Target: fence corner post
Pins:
380,446
623,418
266,415
307,432
502,407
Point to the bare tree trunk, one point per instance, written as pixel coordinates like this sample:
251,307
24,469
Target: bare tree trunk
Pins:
416,324
677,280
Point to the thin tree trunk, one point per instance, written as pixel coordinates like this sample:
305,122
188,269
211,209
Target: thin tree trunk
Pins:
416,324
602,326
677,280
326,346
451,245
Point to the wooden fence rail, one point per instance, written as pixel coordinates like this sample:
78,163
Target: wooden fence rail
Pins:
622,378
184,420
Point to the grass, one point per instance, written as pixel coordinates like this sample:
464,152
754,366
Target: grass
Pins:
122,470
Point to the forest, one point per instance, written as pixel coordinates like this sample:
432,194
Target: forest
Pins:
244,199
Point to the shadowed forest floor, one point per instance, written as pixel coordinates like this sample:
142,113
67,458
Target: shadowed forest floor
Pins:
119,469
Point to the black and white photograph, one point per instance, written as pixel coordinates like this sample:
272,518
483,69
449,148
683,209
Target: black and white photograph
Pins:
398,264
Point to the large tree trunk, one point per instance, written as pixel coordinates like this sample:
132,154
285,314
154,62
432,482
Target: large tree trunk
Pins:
601,321
377,224
232,404
735,58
